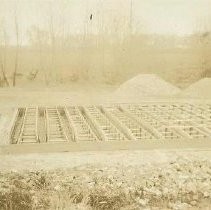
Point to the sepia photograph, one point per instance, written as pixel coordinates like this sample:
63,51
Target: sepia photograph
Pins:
105,104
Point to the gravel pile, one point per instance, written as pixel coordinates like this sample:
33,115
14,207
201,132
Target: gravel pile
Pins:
145,85
177,185
200,89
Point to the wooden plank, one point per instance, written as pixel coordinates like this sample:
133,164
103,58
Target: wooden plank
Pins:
94,125
122,128
22,127
145,125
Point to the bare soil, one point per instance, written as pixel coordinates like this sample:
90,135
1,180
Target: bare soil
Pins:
125,179
107,180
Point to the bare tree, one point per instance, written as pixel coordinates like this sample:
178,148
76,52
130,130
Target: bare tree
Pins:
39,40
17,49
52,35
4,55
131,17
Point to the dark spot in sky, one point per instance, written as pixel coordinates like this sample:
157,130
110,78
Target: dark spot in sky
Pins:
91,17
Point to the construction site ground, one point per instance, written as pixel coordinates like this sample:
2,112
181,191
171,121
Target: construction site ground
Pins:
13,98
109,157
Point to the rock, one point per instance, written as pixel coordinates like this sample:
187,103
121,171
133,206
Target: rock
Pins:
193,203
177,167
195,197
57,187
179,206
155,208
206,195
191,187
143,202
165,191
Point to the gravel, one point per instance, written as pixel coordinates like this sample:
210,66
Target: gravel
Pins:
145,85
200,89
177,185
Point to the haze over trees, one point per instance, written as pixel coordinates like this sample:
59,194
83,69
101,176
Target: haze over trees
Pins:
51,42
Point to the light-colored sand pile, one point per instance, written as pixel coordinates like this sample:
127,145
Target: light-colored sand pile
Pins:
200,89
145,85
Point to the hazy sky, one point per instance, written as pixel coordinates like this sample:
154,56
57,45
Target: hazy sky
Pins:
178,17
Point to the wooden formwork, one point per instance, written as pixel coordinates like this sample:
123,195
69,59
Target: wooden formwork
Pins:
105,126
173,121
133,129
129,122
80,125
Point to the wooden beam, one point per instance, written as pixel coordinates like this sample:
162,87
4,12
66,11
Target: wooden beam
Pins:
120,126
93,124
145,125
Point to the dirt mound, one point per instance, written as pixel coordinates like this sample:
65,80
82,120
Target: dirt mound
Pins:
146,85
200,89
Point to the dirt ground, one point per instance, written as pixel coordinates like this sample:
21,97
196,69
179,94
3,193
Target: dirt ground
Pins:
110,162
155,179
110,158
81,93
